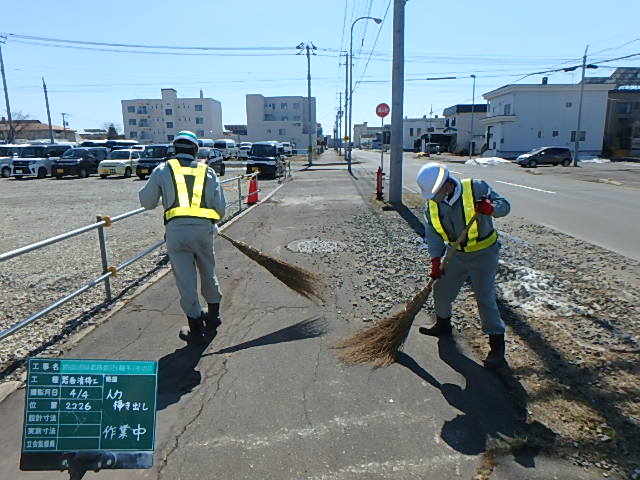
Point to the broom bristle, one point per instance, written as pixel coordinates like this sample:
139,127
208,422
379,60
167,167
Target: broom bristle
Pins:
380,343
304,282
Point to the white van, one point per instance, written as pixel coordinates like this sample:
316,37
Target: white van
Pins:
227,146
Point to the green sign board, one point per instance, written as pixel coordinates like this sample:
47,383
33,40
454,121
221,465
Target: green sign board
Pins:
85,406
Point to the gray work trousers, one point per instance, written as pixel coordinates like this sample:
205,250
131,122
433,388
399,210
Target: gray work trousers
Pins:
190,246
480,267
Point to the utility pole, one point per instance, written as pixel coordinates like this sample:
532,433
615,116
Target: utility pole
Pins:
576,145
11,132
64,126
340,124
46,100
309,48
347,138
397,100
473,101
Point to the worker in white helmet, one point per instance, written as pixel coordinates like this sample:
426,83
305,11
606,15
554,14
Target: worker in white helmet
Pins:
193,203
450,205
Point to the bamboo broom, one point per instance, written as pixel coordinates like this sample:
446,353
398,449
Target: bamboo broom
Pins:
307,284
380,343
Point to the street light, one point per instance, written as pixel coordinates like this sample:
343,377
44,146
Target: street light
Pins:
349,72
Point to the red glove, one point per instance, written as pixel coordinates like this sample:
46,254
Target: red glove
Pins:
484,206
435,268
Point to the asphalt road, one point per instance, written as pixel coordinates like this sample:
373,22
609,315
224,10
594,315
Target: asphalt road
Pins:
573,201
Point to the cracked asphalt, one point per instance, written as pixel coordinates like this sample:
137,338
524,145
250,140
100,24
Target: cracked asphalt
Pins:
267,398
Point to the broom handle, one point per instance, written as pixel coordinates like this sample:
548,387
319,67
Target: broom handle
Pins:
421,296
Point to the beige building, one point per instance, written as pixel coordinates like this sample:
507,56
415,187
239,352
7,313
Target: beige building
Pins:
29,130
159,120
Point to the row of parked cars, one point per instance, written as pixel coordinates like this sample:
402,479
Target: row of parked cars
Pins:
127,159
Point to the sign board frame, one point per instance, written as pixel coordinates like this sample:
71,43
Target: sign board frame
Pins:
89,414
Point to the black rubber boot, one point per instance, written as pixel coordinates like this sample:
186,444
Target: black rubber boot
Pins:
495,359
194,333
212,317
442,328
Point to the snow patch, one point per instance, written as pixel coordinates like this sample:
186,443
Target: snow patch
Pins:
593,159
486,161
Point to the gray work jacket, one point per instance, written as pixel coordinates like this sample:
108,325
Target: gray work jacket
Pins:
452,218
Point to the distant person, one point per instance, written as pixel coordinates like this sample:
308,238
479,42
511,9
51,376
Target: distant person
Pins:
450,205
193,203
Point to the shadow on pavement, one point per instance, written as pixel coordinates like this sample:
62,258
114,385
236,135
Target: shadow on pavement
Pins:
414,222
310,328
177,374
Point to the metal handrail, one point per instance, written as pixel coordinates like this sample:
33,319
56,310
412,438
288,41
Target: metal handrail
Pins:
108,271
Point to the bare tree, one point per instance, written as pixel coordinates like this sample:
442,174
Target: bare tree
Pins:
20,122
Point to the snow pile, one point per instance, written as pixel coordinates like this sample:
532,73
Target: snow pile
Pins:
593,159
535,292
486,161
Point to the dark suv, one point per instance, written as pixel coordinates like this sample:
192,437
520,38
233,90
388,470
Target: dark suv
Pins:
152,156
545,156
79,161
266,158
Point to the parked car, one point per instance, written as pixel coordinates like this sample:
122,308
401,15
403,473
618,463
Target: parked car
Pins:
216,161
152,156
267,158
79,161
36,160
545,156
228,147
205,142
288,149
243,150
119,162
7,152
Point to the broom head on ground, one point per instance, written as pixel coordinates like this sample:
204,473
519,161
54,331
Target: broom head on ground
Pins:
307,284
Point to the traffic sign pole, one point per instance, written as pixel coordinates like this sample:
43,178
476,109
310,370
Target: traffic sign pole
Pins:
382,110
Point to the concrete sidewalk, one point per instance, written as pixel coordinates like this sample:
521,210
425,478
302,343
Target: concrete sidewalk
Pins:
268,398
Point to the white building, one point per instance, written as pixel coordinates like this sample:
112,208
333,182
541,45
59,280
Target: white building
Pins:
522,117
414,128
159,120
284,119
458,124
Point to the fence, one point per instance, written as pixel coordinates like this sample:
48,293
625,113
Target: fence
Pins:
107,270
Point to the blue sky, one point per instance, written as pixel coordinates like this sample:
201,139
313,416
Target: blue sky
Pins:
499,41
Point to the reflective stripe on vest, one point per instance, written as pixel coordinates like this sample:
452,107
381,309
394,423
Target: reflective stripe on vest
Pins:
472,243
188,207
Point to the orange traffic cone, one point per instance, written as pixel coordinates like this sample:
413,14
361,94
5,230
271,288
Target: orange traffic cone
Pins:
252,198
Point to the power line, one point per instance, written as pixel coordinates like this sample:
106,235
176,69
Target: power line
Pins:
374,46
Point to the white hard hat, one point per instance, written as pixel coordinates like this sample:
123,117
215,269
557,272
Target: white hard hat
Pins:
431,177
185,136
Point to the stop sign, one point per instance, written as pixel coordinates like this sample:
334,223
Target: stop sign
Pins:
382,110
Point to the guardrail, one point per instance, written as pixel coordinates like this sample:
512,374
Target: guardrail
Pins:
107,270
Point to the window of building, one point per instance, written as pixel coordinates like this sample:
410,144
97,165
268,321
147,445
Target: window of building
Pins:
198,108
169,124
453,122
554,133
142,136
624,107
568,104
501,141
132,121
296,106
283,106
199,120
494,145
133,134
269,131
581,137
446,123
285,119
296,117
507,109
168,111
411,132
142,110
169,138
431,129
282,131
419,132
200,133
131,109
539,133
144,122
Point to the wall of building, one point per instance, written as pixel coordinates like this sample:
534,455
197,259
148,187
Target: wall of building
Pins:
159,120
414,128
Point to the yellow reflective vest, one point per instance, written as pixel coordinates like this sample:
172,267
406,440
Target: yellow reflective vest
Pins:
185,206
472,243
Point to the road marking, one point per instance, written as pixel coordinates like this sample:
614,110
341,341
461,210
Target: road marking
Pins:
524,186
457,173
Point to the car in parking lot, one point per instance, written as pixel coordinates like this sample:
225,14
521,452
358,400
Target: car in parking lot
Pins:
545,156
215,160
36,160
227,146
151,157
7,152
243,150
79,161
287,148
267,158
120,163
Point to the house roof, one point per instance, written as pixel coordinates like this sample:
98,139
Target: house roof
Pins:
32,125
465,108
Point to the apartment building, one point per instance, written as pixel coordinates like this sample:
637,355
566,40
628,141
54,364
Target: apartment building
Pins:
159,120
284,119
458,122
